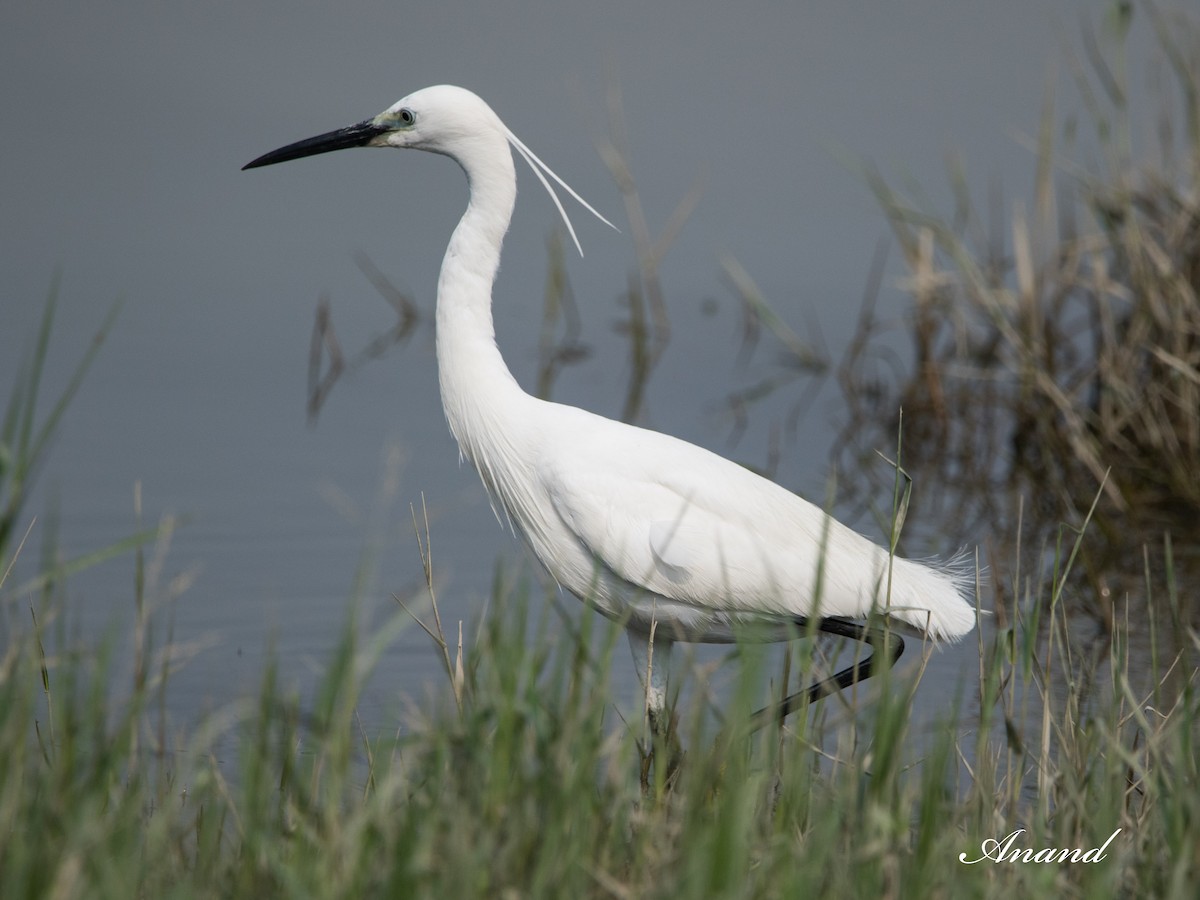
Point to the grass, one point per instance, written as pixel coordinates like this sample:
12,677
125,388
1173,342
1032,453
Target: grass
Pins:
1072,347
530,786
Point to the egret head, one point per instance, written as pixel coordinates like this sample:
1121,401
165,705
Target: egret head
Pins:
441,119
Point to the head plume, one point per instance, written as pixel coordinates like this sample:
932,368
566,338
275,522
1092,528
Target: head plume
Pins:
541,170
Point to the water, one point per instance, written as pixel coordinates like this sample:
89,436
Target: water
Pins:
128,184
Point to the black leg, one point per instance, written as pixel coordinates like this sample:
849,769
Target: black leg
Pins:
887,643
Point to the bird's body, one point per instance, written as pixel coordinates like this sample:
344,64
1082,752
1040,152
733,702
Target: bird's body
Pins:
659,534
648,527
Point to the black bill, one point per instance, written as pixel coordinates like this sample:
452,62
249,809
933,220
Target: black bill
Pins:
354,136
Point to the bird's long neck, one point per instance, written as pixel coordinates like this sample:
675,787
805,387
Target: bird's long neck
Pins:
475,383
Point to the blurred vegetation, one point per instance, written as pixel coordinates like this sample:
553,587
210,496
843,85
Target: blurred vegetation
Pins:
1056,350
27,430
529,785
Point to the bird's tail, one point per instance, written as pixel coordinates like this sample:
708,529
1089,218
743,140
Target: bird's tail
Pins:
931,595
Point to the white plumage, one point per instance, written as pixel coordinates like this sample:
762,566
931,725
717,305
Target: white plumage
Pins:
647,527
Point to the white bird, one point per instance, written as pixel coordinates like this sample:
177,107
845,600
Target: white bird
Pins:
671,540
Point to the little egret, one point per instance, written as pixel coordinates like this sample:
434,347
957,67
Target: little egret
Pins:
671,540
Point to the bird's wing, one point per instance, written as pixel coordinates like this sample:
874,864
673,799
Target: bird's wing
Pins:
688,525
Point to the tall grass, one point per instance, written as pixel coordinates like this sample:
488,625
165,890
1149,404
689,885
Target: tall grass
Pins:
27,429
1056,345
531,786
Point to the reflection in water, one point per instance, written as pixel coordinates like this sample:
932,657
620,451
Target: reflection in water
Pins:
326,361
558,350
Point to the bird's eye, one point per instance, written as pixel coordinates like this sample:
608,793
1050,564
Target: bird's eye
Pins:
406,116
